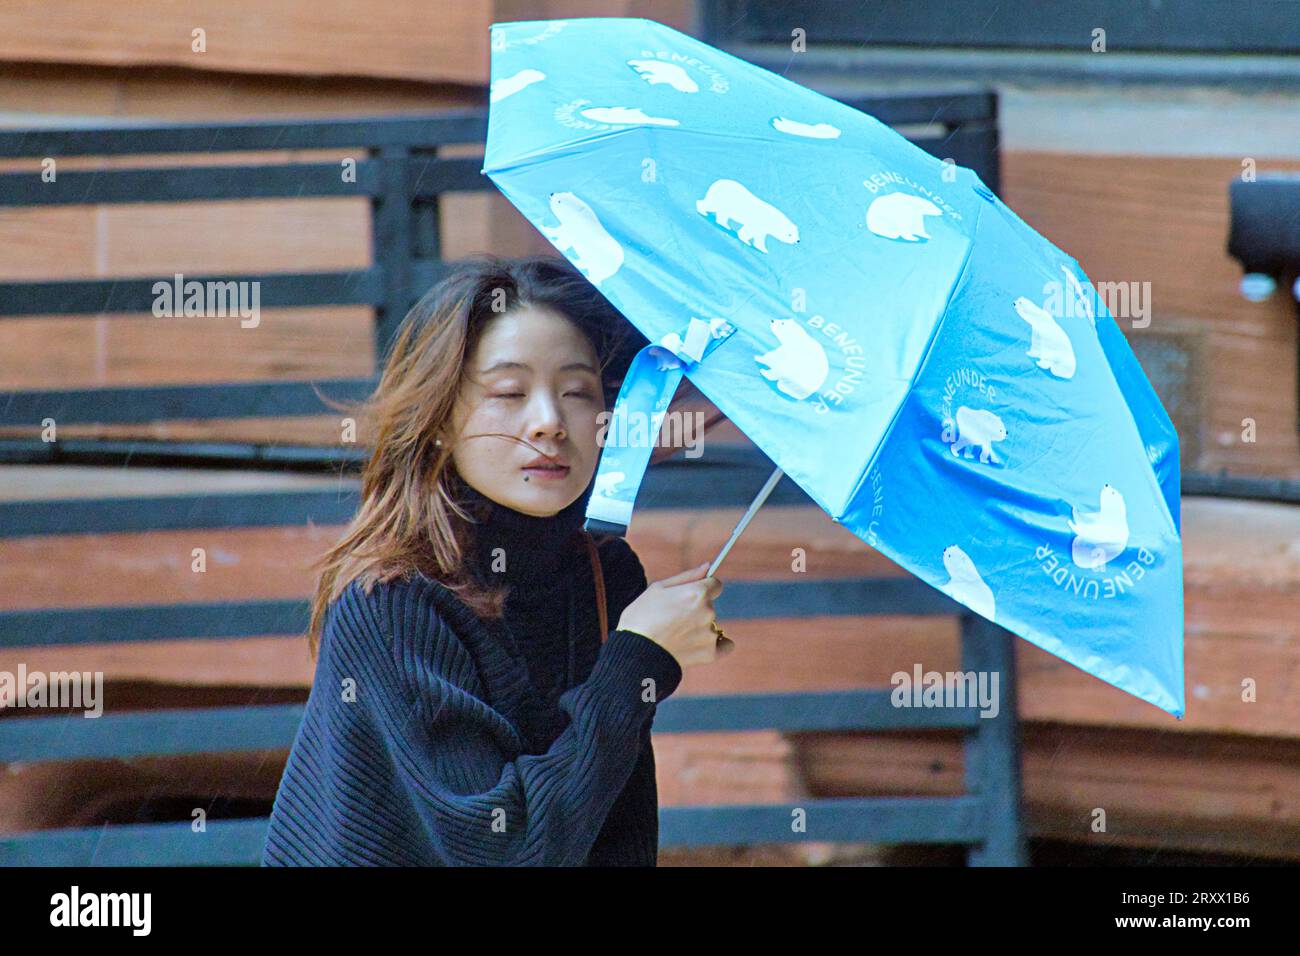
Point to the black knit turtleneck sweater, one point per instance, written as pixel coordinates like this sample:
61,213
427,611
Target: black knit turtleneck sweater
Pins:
459,741
544,563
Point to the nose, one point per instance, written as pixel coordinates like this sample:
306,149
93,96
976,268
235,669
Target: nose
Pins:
545,418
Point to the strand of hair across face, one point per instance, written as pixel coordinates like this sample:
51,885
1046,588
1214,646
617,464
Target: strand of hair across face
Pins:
513,438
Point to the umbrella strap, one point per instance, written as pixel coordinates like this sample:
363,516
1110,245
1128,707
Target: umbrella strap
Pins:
648,388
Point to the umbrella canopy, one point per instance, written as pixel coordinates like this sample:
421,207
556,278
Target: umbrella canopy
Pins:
937,376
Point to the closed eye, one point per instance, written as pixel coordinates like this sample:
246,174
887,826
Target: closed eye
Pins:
579,394
583,393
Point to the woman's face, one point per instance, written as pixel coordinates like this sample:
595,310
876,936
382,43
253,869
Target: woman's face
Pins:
535,376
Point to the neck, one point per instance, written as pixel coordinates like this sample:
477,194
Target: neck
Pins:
519,549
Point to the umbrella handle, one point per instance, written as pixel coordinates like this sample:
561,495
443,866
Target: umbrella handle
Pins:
762,496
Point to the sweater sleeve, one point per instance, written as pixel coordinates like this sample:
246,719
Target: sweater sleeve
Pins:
480,801
631,833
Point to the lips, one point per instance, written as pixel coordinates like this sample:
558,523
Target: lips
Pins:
547,468
541,461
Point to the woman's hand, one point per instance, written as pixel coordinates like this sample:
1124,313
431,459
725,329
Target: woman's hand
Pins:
677,614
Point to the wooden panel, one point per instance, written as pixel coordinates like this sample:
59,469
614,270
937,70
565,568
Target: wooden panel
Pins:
285,344
91,570
412,40
86,792
1164,221
36,241
146,239
1212,793
152,92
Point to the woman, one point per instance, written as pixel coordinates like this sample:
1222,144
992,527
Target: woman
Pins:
466,708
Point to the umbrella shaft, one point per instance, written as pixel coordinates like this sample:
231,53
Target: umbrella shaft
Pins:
754,505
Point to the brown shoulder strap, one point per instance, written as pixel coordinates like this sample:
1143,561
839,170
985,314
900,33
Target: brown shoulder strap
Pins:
599,574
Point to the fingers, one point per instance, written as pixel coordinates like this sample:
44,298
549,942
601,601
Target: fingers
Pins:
687,576
709,588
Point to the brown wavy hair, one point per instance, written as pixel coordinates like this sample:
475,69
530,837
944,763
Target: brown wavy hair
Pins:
410,517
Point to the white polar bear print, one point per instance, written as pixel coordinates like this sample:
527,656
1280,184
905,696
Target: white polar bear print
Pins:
979,428
607,484
627,116
510,85
596,252
1080,295
1049,346
798,365
812,131
1102,536
727,199
718,328
901,216
965,584
655,72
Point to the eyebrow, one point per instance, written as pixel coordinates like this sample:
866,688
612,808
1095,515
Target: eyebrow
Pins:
582,366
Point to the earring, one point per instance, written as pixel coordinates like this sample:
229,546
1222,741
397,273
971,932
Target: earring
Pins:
438,442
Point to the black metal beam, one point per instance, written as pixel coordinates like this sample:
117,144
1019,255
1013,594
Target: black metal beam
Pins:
841,820
151,733
264,509
939,66
804,712
209,455
140,404
187,183
222,843
148,733
146,137
742,600
1194,26
275,290
430,178
164,622
239,842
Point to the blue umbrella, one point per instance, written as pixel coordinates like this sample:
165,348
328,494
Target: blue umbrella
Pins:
937,376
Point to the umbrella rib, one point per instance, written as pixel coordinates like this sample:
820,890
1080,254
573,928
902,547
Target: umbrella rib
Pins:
546,151
920,365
